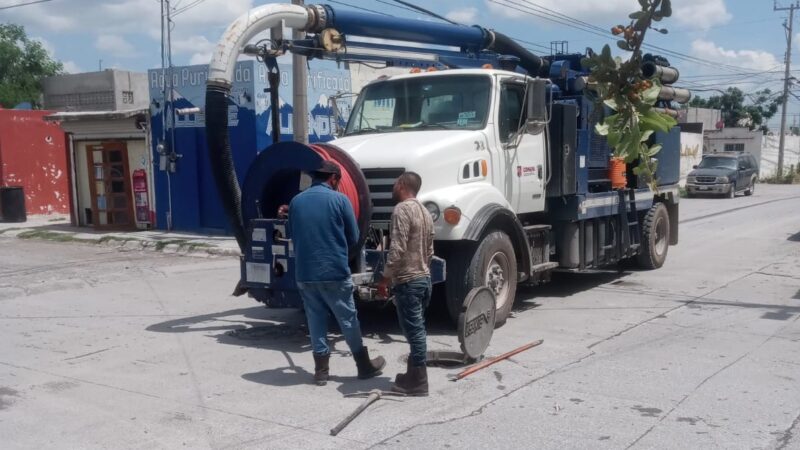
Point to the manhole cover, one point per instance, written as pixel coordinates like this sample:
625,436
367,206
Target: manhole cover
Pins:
476,322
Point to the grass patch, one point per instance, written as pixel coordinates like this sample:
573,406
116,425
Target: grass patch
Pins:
161,244
49,236
11,229
792,176
57,219
682,193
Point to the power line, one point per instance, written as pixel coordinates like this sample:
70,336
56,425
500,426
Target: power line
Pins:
361,8
24,4
187,7
551,15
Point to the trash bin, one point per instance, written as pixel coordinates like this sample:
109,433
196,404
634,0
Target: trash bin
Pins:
12,204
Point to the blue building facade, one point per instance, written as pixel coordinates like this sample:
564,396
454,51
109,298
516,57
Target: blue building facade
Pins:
185,190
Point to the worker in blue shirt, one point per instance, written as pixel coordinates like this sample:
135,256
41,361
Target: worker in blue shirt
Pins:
323,227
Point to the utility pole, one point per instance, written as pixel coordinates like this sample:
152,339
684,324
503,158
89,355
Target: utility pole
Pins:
300,90
789,26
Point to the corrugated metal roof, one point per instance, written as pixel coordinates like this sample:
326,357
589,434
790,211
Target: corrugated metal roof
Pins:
95,115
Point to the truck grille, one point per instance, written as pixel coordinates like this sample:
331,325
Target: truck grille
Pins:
706,179
380,182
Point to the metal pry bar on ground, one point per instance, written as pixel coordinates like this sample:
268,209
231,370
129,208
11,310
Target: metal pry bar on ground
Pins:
488,362
372,397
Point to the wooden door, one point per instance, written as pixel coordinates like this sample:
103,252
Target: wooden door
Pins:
110,186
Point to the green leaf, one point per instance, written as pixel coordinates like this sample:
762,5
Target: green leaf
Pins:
644,3
606,53
614,138
646,135
662,30
611,103
655,121
601,129
657,17
653,150
637,15
641,24
650,95
623,45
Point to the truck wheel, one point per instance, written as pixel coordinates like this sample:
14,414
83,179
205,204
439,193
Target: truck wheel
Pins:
655,238
494,265
732,193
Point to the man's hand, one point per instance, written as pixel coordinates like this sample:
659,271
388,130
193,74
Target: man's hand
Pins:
283,211
382,287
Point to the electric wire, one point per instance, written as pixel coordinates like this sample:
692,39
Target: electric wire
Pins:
24,4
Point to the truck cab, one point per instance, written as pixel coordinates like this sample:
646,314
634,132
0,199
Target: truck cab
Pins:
462,131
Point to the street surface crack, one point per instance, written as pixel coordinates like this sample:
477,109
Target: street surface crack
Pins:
784,441
719,213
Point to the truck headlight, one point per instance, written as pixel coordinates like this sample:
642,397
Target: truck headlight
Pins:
433,209
722,179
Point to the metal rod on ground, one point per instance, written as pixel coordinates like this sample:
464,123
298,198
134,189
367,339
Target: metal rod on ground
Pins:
373,397
488,362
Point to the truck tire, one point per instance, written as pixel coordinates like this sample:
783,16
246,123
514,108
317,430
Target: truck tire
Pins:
752,187
732,193
655,238
492,264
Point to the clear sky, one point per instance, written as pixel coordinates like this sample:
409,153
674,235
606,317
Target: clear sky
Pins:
720,42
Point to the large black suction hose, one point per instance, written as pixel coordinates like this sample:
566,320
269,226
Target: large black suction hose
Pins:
504,45
221,158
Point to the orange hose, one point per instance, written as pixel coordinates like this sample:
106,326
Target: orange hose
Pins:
346,184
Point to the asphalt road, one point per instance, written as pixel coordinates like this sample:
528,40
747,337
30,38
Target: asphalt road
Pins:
107,349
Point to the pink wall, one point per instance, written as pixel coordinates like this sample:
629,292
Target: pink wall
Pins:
33,155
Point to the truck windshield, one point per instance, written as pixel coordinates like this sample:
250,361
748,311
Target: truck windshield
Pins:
716,162
457,102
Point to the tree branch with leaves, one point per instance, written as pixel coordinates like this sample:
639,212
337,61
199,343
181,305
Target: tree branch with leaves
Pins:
621,88
24,63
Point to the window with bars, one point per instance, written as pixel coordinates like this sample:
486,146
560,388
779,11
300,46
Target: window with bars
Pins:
734,147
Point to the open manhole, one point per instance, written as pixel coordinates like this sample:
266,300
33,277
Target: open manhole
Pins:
475,328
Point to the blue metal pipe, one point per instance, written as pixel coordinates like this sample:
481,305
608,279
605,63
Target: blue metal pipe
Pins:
358,23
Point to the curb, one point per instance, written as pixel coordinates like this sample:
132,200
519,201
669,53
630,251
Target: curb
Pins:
182,247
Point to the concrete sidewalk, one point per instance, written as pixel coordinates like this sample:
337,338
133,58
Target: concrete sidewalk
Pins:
57,228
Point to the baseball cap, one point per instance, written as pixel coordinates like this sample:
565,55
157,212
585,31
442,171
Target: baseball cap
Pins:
330,167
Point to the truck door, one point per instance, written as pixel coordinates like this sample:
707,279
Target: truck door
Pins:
524,153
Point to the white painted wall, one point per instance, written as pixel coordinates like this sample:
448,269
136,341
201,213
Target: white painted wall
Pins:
769,154
691,153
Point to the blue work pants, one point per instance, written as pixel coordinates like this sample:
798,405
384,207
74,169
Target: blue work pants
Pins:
411,299
322,297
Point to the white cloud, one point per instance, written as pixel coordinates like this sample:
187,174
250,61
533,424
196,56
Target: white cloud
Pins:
116,45
71,67
191,44
750,59
48,47
200,58
700,14
463,15
593,11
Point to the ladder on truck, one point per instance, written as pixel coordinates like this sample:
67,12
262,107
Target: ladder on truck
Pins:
631,237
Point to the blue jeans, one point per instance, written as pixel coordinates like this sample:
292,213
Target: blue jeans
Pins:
411,299
323,297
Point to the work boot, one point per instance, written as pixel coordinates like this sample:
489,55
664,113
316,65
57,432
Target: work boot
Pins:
368,368
321,369
413,383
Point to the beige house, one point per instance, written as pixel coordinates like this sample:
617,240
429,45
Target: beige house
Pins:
109,158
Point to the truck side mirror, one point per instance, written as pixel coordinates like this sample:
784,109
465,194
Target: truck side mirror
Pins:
536,106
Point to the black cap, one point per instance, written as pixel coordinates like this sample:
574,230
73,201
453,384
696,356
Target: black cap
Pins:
329,167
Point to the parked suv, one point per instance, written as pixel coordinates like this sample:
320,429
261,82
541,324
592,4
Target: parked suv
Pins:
723,173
